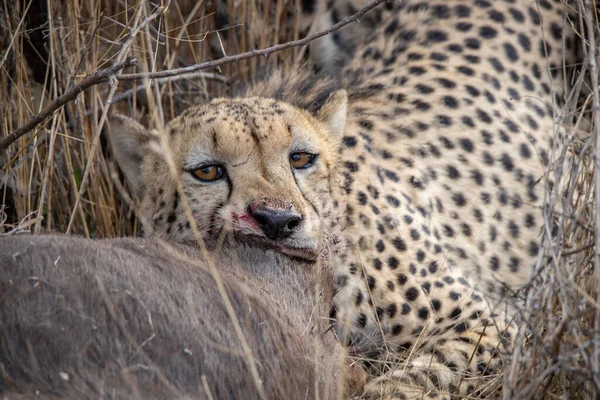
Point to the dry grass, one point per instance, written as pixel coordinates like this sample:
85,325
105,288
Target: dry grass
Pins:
558,349
46,169
42,185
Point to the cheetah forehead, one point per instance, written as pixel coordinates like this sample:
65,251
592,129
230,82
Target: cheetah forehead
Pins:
235,128
246,111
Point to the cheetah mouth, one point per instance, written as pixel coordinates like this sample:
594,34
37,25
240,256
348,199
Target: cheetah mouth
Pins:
307,253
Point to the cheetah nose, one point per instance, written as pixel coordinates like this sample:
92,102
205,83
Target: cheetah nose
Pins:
275,223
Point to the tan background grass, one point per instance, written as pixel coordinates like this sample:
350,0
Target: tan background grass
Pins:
45,168
42,172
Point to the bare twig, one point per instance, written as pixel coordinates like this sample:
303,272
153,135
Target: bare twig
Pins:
92,80
254,53
104,75
204,75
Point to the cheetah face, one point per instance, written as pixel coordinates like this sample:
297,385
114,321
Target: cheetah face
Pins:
253,171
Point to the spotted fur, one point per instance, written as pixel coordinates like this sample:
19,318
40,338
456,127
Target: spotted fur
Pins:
450,127
451,115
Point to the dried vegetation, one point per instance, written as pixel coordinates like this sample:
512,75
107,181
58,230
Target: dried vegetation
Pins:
59,177
51,169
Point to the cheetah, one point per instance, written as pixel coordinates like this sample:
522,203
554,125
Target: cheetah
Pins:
447,174
428,183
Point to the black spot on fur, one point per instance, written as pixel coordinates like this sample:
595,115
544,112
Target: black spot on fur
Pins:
436,36
510,52
487,32
412,294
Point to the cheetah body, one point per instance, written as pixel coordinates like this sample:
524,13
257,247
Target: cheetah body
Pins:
433,206
444,175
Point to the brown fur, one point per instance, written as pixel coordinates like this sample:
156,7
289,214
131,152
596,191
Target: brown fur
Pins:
127,318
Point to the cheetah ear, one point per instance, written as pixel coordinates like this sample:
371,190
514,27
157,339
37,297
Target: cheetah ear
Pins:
128,141
333,113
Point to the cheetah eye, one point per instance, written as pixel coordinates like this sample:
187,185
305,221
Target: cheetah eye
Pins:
302,160
209,173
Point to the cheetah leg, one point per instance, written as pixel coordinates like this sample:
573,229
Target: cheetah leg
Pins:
467,364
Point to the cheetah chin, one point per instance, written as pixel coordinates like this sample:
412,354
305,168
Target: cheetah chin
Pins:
292,248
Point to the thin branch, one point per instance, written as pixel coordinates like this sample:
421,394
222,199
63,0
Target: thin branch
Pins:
129,92
253,53
92,80
105,75
578,250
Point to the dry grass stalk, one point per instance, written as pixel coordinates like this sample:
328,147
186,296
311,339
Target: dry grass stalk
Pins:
557,354
42,175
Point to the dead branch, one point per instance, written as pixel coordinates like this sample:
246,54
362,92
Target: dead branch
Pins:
129,92
254,53
91,80
105,75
